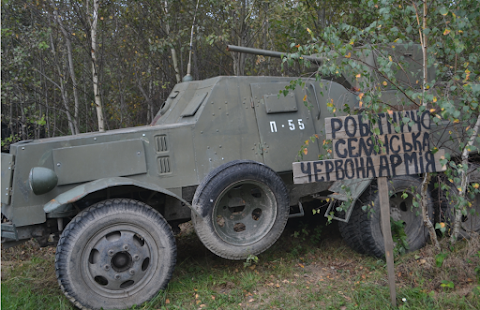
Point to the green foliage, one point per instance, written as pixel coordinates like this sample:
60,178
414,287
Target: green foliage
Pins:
439,258
399,237
304,148
447,284
251,260
451,90
441,227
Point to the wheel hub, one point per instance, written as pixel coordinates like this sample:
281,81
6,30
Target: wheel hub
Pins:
121,261
244,213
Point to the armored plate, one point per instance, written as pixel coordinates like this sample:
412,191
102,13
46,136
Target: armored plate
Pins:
7,165
96,161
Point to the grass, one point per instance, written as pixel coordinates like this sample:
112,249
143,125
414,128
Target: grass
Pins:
308,268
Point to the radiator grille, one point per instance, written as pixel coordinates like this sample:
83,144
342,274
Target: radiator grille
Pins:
163,165
161,143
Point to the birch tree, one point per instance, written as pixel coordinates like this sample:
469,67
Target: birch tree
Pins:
93,37
447,83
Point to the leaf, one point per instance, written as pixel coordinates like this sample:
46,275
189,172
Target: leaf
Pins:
447,284
442,228
443,11
446,32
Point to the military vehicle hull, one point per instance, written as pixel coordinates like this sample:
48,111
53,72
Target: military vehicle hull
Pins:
95,188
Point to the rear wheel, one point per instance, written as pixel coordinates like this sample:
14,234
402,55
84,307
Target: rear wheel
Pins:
116,254
368,236
245,206
351,231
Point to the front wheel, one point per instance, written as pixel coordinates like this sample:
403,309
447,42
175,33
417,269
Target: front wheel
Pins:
116,254
245,206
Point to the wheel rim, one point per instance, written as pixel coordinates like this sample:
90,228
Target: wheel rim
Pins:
244,212
403,210
120,260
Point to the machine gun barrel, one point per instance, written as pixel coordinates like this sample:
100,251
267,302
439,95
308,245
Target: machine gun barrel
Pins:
257,51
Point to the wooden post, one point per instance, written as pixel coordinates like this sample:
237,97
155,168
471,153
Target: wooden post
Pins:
387,235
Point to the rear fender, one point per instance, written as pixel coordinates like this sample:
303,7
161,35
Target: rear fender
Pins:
346,190
58,204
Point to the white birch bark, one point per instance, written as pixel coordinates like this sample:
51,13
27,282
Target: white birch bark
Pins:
463,182
98,102
172,50
427,177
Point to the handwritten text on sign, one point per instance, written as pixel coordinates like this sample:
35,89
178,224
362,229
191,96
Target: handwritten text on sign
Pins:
355,154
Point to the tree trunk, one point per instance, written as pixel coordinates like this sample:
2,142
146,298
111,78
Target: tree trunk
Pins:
172,49
463,182
427,177
71,68
98,102
61,86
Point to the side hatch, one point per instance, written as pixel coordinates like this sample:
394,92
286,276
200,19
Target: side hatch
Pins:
284,123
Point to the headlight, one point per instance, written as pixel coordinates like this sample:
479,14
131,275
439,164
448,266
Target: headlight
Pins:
42,180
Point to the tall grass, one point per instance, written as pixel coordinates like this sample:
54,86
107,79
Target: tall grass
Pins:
308,268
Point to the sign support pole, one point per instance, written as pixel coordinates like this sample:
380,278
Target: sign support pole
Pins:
387,235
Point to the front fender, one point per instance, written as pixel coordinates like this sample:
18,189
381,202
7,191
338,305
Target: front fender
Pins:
83,190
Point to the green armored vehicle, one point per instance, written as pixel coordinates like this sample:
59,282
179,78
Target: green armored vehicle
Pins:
219,152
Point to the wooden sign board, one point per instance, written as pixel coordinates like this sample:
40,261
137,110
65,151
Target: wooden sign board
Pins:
355,150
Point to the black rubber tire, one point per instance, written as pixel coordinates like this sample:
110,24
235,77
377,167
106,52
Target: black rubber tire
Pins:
115,254
351,231
368,236
240,193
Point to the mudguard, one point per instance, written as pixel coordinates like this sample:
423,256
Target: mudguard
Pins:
83,190
347,190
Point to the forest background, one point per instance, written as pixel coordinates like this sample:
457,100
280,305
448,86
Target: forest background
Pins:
65,62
